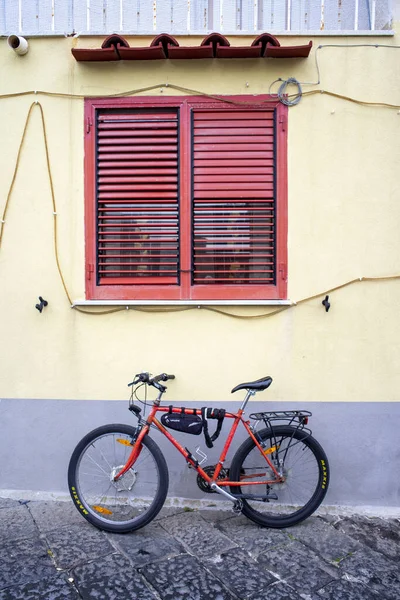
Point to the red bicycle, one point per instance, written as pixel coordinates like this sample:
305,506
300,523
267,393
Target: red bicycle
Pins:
118,476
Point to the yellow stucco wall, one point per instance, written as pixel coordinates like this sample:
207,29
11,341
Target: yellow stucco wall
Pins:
344,222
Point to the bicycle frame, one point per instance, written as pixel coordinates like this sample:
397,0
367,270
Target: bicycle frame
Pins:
237,417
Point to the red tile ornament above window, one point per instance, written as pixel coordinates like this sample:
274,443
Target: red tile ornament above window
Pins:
215,45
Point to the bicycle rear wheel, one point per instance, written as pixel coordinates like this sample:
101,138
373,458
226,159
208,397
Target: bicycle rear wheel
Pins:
305,468
132,501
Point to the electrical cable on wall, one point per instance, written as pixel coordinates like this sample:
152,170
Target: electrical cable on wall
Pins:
281,92
196,92
290,100
145,309
36,103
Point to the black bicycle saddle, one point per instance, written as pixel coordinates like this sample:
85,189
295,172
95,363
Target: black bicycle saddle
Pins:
258,386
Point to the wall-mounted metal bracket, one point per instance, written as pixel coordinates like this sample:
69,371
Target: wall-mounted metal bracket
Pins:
326,303
41,305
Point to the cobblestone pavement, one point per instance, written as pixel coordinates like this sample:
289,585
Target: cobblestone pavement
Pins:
48,551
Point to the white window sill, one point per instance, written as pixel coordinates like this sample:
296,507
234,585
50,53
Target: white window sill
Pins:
128,303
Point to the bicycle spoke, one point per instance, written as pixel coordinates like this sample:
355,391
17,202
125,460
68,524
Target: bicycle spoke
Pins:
97,465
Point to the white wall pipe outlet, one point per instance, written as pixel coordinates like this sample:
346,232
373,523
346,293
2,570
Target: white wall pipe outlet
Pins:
18,44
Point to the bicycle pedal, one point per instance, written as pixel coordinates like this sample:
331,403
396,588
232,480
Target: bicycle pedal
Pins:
237,507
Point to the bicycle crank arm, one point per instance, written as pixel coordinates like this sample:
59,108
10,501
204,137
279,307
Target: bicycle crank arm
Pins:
216,488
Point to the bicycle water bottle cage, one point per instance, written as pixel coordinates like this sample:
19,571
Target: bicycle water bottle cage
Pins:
212,413
256,386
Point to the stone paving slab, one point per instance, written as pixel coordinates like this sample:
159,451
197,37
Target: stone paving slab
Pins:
215,515
280,591
146,545
183,578
111,577
346,590
48,551
255,540
168,511
198,536
299,566
51,588
8,502
373,570
378,534
241,575
17,523
324,539
76,544
53,515
24,561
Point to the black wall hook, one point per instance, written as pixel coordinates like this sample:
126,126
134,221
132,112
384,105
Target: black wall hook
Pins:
42,304
326,303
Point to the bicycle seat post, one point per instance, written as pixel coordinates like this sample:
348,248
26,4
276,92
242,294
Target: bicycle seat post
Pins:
247,398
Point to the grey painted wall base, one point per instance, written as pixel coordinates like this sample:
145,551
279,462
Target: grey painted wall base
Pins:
361,441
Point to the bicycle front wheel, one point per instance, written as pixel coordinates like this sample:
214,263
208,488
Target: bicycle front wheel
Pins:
130,502
305,469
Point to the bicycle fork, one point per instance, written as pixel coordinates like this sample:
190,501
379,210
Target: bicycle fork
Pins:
134,455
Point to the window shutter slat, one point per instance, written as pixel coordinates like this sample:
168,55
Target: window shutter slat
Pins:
137,197
233,198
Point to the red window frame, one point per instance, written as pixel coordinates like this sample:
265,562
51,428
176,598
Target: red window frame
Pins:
185,290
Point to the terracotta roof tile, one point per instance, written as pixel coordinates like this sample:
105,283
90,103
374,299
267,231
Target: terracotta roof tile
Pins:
215,45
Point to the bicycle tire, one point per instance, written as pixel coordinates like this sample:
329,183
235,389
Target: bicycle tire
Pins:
306,471
133,501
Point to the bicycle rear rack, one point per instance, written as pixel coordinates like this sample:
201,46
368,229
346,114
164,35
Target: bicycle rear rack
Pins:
291,416
297,419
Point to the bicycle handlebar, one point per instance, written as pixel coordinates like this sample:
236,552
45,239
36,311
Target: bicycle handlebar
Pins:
145,378
162,377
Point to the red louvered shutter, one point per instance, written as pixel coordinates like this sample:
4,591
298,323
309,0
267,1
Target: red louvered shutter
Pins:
186,198
137,197
234,199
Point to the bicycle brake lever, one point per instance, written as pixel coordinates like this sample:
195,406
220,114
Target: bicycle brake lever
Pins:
140,377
